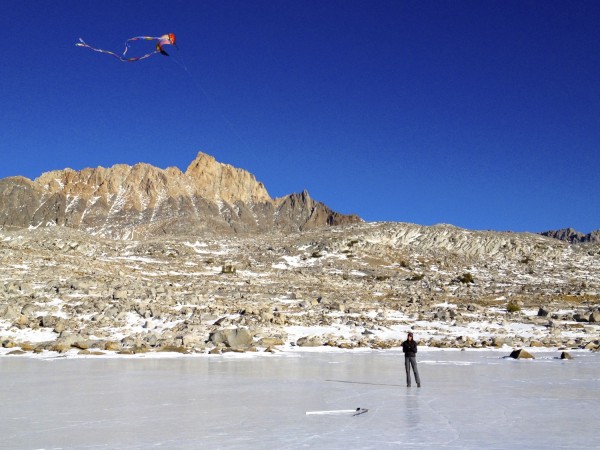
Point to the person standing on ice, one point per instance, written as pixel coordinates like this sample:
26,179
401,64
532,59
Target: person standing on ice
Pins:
409,347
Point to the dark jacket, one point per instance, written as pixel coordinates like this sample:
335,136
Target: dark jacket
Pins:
409,348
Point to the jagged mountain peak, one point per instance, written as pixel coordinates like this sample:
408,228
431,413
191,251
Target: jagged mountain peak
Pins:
219,181
204,177
144,200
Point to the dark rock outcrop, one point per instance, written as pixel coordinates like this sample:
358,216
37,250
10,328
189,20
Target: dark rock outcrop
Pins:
572,236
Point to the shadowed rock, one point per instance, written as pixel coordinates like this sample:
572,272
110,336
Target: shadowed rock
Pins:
521,354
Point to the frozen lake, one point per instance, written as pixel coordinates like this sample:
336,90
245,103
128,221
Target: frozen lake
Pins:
470,399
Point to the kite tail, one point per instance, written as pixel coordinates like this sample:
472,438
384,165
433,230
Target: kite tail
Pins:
122,57
139,38
82,43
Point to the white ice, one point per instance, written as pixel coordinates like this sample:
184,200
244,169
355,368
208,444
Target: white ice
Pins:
469,399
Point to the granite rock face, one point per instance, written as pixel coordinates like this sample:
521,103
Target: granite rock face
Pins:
141,201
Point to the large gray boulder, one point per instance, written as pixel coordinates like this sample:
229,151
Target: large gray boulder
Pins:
9,312
49,321
28,310
232,337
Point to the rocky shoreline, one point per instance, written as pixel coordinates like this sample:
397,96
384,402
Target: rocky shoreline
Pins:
355,286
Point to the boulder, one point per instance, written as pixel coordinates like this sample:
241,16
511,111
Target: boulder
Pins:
111,312
82,344
151,339
13,288
281,318
594,317
90,352
139,349
126,351
232,337
119,294
173,349
27,346
337,307
9,312
580,317
228,269
521,354
190,339
43,346
270,342
112,346
498,341
309,341
79,285
49,321
565,355
68,339
543,312
25,289
130,341
346,345
464,341
28,310
59,327
21,321
16,352
60,347
266,316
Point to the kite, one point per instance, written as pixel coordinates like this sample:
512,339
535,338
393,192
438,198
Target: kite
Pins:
165,39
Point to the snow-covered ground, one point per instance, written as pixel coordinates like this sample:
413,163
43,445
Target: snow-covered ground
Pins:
469,399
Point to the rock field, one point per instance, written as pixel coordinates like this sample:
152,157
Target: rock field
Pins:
361,285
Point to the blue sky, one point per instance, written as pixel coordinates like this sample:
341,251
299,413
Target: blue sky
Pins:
482,114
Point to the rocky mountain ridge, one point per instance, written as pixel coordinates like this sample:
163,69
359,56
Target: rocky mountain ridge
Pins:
140,201
573,236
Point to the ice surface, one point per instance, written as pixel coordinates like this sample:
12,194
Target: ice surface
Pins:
469,399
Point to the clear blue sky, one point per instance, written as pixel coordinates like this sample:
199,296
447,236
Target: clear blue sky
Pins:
483,114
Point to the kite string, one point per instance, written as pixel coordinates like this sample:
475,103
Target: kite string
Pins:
199,87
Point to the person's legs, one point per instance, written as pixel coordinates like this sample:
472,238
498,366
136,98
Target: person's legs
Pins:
407,367
413,363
